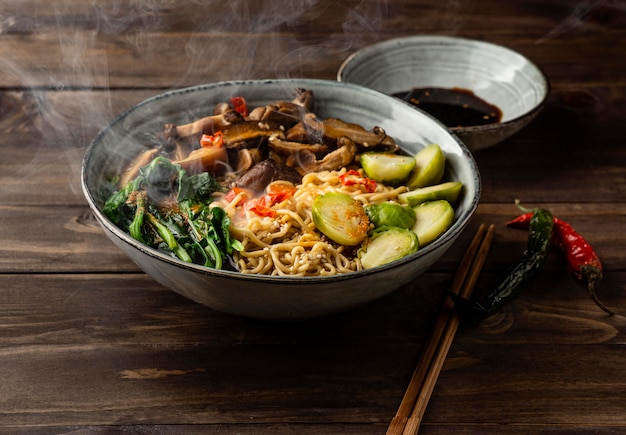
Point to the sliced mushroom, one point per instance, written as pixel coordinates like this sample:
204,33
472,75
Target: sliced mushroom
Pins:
285,113
366,140
263,173
304,98
206,125
174,147
257,177
209,159
286,148
310,130
331,130
221,108
305,161
251,134
245,159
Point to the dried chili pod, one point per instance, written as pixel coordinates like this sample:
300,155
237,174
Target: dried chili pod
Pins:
582,260
533,259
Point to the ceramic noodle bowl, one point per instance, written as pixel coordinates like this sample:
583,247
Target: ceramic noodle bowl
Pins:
276,297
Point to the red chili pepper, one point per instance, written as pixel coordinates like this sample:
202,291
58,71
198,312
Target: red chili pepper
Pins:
279,192
276,193
582,260
259,209
240,105
214,140
353,177
232,194
273,198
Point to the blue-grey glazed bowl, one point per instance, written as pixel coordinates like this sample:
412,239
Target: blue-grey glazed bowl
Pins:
494,73
267,297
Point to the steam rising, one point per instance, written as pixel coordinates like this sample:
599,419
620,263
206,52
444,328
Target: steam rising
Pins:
577,16
121,44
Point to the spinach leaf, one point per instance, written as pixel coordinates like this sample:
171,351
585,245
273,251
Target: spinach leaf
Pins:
194,231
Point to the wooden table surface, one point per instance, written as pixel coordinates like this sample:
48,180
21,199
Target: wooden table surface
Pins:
90,344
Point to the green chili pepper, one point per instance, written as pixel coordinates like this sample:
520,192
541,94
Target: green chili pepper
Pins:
533,259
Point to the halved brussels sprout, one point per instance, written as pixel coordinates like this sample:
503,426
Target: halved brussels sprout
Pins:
391,215
341,218
387,168
433,218
386,245
430,163
449,191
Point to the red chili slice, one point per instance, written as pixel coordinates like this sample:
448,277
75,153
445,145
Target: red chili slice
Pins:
261,210
214,140
240,105
232,193
353,177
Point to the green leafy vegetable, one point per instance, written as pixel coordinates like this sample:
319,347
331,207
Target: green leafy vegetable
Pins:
116,206
135,227
170,210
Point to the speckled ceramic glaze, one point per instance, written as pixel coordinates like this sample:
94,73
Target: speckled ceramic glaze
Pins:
265,297
494,73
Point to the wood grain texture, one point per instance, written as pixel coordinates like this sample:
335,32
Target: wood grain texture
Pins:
117,350
176,44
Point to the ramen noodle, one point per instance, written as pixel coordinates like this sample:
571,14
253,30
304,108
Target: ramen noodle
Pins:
289,244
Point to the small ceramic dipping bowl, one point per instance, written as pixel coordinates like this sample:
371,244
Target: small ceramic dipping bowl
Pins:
495,74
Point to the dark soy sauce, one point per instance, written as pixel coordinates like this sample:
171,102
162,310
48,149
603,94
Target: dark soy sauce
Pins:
455,107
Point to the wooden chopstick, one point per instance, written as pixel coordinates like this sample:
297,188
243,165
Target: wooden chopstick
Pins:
411,410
